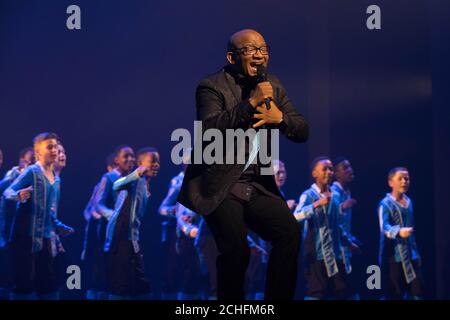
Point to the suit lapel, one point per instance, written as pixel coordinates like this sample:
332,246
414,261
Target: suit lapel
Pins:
235,89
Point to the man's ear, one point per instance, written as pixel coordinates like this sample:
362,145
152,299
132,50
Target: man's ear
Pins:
231,57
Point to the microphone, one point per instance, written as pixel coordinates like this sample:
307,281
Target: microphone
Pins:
261,76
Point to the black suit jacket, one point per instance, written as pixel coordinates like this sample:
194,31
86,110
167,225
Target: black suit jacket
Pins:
220,105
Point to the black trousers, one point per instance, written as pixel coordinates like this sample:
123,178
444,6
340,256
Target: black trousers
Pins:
395,284
5,268
255,276
170,264
207,253
271,219
33,272
94,259
125,271
191,277
319,286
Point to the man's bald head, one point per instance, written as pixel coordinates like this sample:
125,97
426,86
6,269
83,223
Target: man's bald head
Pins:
238,38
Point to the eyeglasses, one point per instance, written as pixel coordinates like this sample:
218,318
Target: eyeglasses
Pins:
251,50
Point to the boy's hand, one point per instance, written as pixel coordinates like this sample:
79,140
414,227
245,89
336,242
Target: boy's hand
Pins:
25,194
96,215
354,248
405,232
347,204
173,211
291,204
323,201
193,233
65,231
258,250
23,164
142,170
187,218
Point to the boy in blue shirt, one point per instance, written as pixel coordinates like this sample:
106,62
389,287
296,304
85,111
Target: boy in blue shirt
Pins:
399,258
124,259
344,175
324,238
124,162
92,244
34,235
7,212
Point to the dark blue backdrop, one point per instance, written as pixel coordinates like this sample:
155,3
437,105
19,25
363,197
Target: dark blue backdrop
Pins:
129,75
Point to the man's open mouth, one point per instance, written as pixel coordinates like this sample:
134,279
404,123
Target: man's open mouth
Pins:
254,66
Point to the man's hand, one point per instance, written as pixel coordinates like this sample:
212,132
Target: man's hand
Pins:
25,194
263,91
323,201
273,115
347,204
405,232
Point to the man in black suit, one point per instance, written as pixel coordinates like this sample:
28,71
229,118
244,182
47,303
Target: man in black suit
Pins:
233,197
